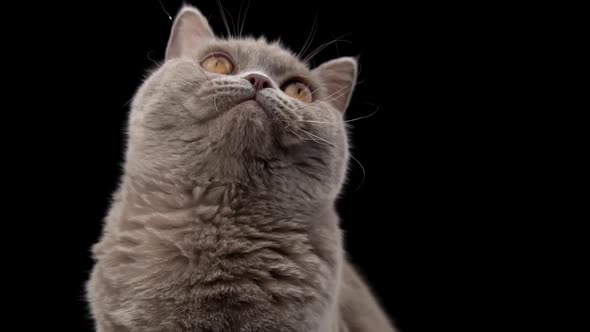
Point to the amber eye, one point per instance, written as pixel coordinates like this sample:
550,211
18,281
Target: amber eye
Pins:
298,90
218,64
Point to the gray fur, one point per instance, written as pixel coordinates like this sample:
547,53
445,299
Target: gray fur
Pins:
224,219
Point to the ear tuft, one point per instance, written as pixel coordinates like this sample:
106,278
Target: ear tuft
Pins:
338,77
189,30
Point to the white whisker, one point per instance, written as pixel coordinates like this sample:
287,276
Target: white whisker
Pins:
215,104
310,37
345,121
204,73
324,45
244,19
318,137
362,169
165,11
150,58
331,97
224,18
311,136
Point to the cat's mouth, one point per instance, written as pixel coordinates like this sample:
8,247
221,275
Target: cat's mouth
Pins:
253,105
249,108
251,102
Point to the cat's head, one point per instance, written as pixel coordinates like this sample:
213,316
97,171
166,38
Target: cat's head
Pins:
240,110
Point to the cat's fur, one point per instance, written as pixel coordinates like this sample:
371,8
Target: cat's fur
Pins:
224,219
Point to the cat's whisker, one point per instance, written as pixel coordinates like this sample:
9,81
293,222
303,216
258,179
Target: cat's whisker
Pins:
362,169
244,19
315,90
150,58
343,91
364,116
239,18
312,136
294,133
310,37
233,25
165,11
324,45
344,88
215,104
127,103
331,97
337,147
346,121
224,18
339,93
336,45
204,73
320,122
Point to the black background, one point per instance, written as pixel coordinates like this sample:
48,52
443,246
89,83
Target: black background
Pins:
427,198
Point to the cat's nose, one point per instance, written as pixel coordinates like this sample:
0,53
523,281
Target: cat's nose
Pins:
259,81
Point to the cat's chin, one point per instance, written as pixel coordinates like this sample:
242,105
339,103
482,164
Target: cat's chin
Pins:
252,113
249,105
245,128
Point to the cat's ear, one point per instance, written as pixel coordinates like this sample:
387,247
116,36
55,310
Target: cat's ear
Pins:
189,30
338,77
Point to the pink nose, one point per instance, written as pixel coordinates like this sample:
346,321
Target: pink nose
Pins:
258,81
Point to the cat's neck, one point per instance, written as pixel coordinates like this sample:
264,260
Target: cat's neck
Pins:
213,200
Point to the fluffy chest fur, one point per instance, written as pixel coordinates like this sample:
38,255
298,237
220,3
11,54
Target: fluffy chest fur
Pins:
219,255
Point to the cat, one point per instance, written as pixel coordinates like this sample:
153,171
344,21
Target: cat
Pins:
224,219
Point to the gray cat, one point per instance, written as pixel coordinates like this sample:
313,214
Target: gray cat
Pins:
224,219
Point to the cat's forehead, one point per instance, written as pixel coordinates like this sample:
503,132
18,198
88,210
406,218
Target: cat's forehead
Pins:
259,54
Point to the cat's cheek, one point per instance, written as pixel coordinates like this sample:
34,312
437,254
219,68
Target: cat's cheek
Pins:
198,110
288,138
159,114
182,70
